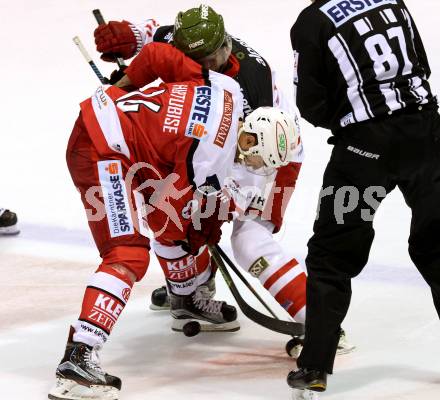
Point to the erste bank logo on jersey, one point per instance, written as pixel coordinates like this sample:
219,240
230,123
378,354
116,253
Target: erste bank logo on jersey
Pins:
341,11
199,116
116,202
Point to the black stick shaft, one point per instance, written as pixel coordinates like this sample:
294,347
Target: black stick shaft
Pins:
98,16
277,325
97,72
244,280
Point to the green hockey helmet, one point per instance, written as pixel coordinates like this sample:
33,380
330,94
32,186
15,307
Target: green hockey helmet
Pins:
199,32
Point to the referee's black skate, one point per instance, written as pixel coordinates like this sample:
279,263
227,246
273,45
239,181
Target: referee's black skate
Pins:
8,222
80,377
212,315
309,379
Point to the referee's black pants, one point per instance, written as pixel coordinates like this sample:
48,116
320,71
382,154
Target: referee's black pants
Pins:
368,161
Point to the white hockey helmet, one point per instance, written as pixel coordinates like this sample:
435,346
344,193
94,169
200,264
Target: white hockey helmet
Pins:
277,136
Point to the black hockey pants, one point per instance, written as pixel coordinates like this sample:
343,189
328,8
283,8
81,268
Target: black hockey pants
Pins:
368,161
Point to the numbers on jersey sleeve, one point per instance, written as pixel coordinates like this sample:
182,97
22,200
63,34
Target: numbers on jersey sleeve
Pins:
133,101
386,63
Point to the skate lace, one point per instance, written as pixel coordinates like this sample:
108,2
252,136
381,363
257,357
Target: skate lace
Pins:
92,360
203,301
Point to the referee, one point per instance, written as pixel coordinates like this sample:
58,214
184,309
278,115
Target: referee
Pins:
362,72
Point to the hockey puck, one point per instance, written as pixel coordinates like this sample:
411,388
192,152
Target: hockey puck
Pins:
192,328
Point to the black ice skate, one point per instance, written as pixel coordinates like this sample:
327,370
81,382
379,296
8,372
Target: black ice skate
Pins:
161,301
307,379
212,315
80,377
8,222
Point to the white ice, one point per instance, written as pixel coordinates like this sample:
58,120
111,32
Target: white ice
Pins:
43,271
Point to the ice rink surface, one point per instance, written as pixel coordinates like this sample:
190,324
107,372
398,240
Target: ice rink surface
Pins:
43,271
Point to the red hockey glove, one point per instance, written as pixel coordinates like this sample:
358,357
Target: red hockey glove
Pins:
205,227
115,39
209,234
117,75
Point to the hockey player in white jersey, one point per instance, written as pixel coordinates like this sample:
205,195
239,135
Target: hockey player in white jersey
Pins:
254,246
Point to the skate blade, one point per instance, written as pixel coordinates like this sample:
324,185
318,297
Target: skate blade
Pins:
153,307
66,389
304,394
318,387
205,326
296,351
9,230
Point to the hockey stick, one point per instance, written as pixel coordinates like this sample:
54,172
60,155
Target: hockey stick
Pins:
243,279
280,326
86,55
100,20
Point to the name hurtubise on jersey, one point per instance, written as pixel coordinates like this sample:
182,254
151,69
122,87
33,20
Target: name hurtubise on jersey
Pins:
175,108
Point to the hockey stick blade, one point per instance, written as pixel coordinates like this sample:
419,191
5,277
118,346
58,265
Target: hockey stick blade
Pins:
276,325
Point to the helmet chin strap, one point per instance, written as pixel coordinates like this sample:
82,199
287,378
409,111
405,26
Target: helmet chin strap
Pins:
242,152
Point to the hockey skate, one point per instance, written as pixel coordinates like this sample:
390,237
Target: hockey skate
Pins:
201,313
161,301
295,345
307,379
80,377
8,222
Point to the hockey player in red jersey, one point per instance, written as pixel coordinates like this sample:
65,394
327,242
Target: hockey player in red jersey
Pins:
200,33
162,156
232,57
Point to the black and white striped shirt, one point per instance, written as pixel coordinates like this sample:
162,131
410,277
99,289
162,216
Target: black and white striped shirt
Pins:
356,60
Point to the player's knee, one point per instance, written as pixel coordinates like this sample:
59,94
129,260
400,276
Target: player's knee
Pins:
252,241
238,244
128,263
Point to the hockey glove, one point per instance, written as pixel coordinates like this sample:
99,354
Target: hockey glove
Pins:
206,223
117,75
115,39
